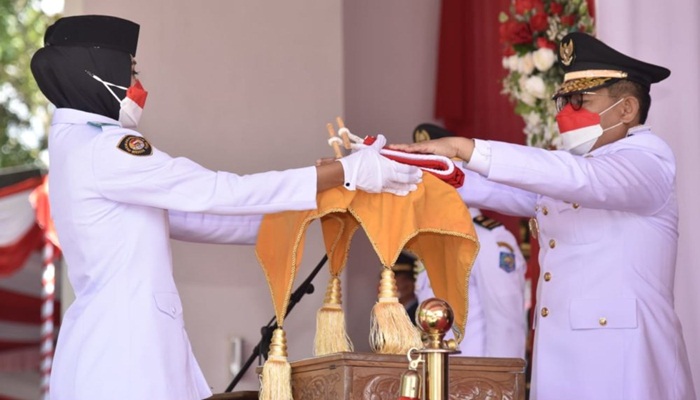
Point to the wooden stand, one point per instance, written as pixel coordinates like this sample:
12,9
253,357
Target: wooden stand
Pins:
245,395
368,376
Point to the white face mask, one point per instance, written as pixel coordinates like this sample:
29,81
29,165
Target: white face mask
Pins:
580,129
131,106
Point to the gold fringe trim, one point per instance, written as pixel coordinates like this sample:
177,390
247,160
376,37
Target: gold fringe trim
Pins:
331,332
391,330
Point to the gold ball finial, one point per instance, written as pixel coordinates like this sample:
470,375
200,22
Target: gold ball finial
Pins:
435,317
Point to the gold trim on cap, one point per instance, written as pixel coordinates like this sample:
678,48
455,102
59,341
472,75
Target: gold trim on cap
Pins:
578,85
595,73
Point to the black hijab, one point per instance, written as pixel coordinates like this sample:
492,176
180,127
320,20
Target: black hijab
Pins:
60,73
102,45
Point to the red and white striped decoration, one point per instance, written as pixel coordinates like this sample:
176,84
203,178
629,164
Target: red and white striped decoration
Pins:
48,283
27,286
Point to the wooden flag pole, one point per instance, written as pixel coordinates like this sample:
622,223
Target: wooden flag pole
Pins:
332,142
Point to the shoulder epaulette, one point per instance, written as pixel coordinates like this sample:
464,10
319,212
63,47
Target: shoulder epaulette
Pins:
100,124
486,222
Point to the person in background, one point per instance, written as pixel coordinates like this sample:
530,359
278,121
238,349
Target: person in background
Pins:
605,212
405,275
496,323
117,200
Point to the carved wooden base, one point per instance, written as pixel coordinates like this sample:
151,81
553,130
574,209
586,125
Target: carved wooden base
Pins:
244,395
369,376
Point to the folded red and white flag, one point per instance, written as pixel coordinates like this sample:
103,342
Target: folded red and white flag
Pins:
440,166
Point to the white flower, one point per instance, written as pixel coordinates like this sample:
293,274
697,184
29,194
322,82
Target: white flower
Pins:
528,99
535,86
525,64
543,59
532,118
513,63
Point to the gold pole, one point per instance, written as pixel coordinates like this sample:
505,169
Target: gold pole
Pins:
435,318
436,376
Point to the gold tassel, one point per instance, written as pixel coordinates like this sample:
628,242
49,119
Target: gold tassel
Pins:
391,330
276,378
331,332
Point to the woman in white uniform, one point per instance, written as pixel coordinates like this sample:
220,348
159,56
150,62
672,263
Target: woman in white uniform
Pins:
117,200
606,217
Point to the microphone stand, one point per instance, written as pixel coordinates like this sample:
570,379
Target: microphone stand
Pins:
266,331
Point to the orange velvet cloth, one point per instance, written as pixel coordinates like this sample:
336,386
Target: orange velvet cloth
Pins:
432,222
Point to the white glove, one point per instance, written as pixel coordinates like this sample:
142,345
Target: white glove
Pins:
367,170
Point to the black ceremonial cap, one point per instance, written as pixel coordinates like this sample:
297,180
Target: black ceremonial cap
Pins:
427,131
405,263
94,31
589,64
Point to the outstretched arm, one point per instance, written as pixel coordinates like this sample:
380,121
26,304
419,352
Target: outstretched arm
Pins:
452,147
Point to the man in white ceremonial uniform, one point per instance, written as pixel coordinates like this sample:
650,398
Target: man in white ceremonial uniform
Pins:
496,323
606,217
116,200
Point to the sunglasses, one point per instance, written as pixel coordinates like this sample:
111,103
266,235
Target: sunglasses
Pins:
575,99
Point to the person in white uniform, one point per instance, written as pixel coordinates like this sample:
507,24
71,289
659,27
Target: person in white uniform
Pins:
116,200
496,324
605,212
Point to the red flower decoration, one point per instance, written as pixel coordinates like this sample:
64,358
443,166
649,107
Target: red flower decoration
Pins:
523,6
556,8
568,20
538,22
544,43
529,32
515,32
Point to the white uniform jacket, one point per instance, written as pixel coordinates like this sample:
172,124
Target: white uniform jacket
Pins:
124,336
496,324
607,227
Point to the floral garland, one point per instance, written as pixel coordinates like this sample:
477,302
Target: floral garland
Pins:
529,35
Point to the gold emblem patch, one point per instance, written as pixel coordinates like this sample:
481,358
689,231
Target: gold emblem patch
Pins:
566,52
421,136
135,145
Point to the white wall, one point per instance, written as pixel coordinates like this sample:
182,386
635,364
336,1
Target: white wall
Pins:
667,33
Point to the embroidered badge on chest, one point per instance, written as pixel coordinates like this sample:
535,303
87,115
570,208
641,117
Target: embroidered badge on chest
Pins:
506,257
507,261
135,145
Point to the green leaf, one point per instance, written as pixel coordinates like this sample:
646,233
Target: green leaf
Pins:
22,26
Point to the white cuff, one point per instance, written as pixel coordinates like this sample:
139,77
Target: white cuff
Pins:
480,161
